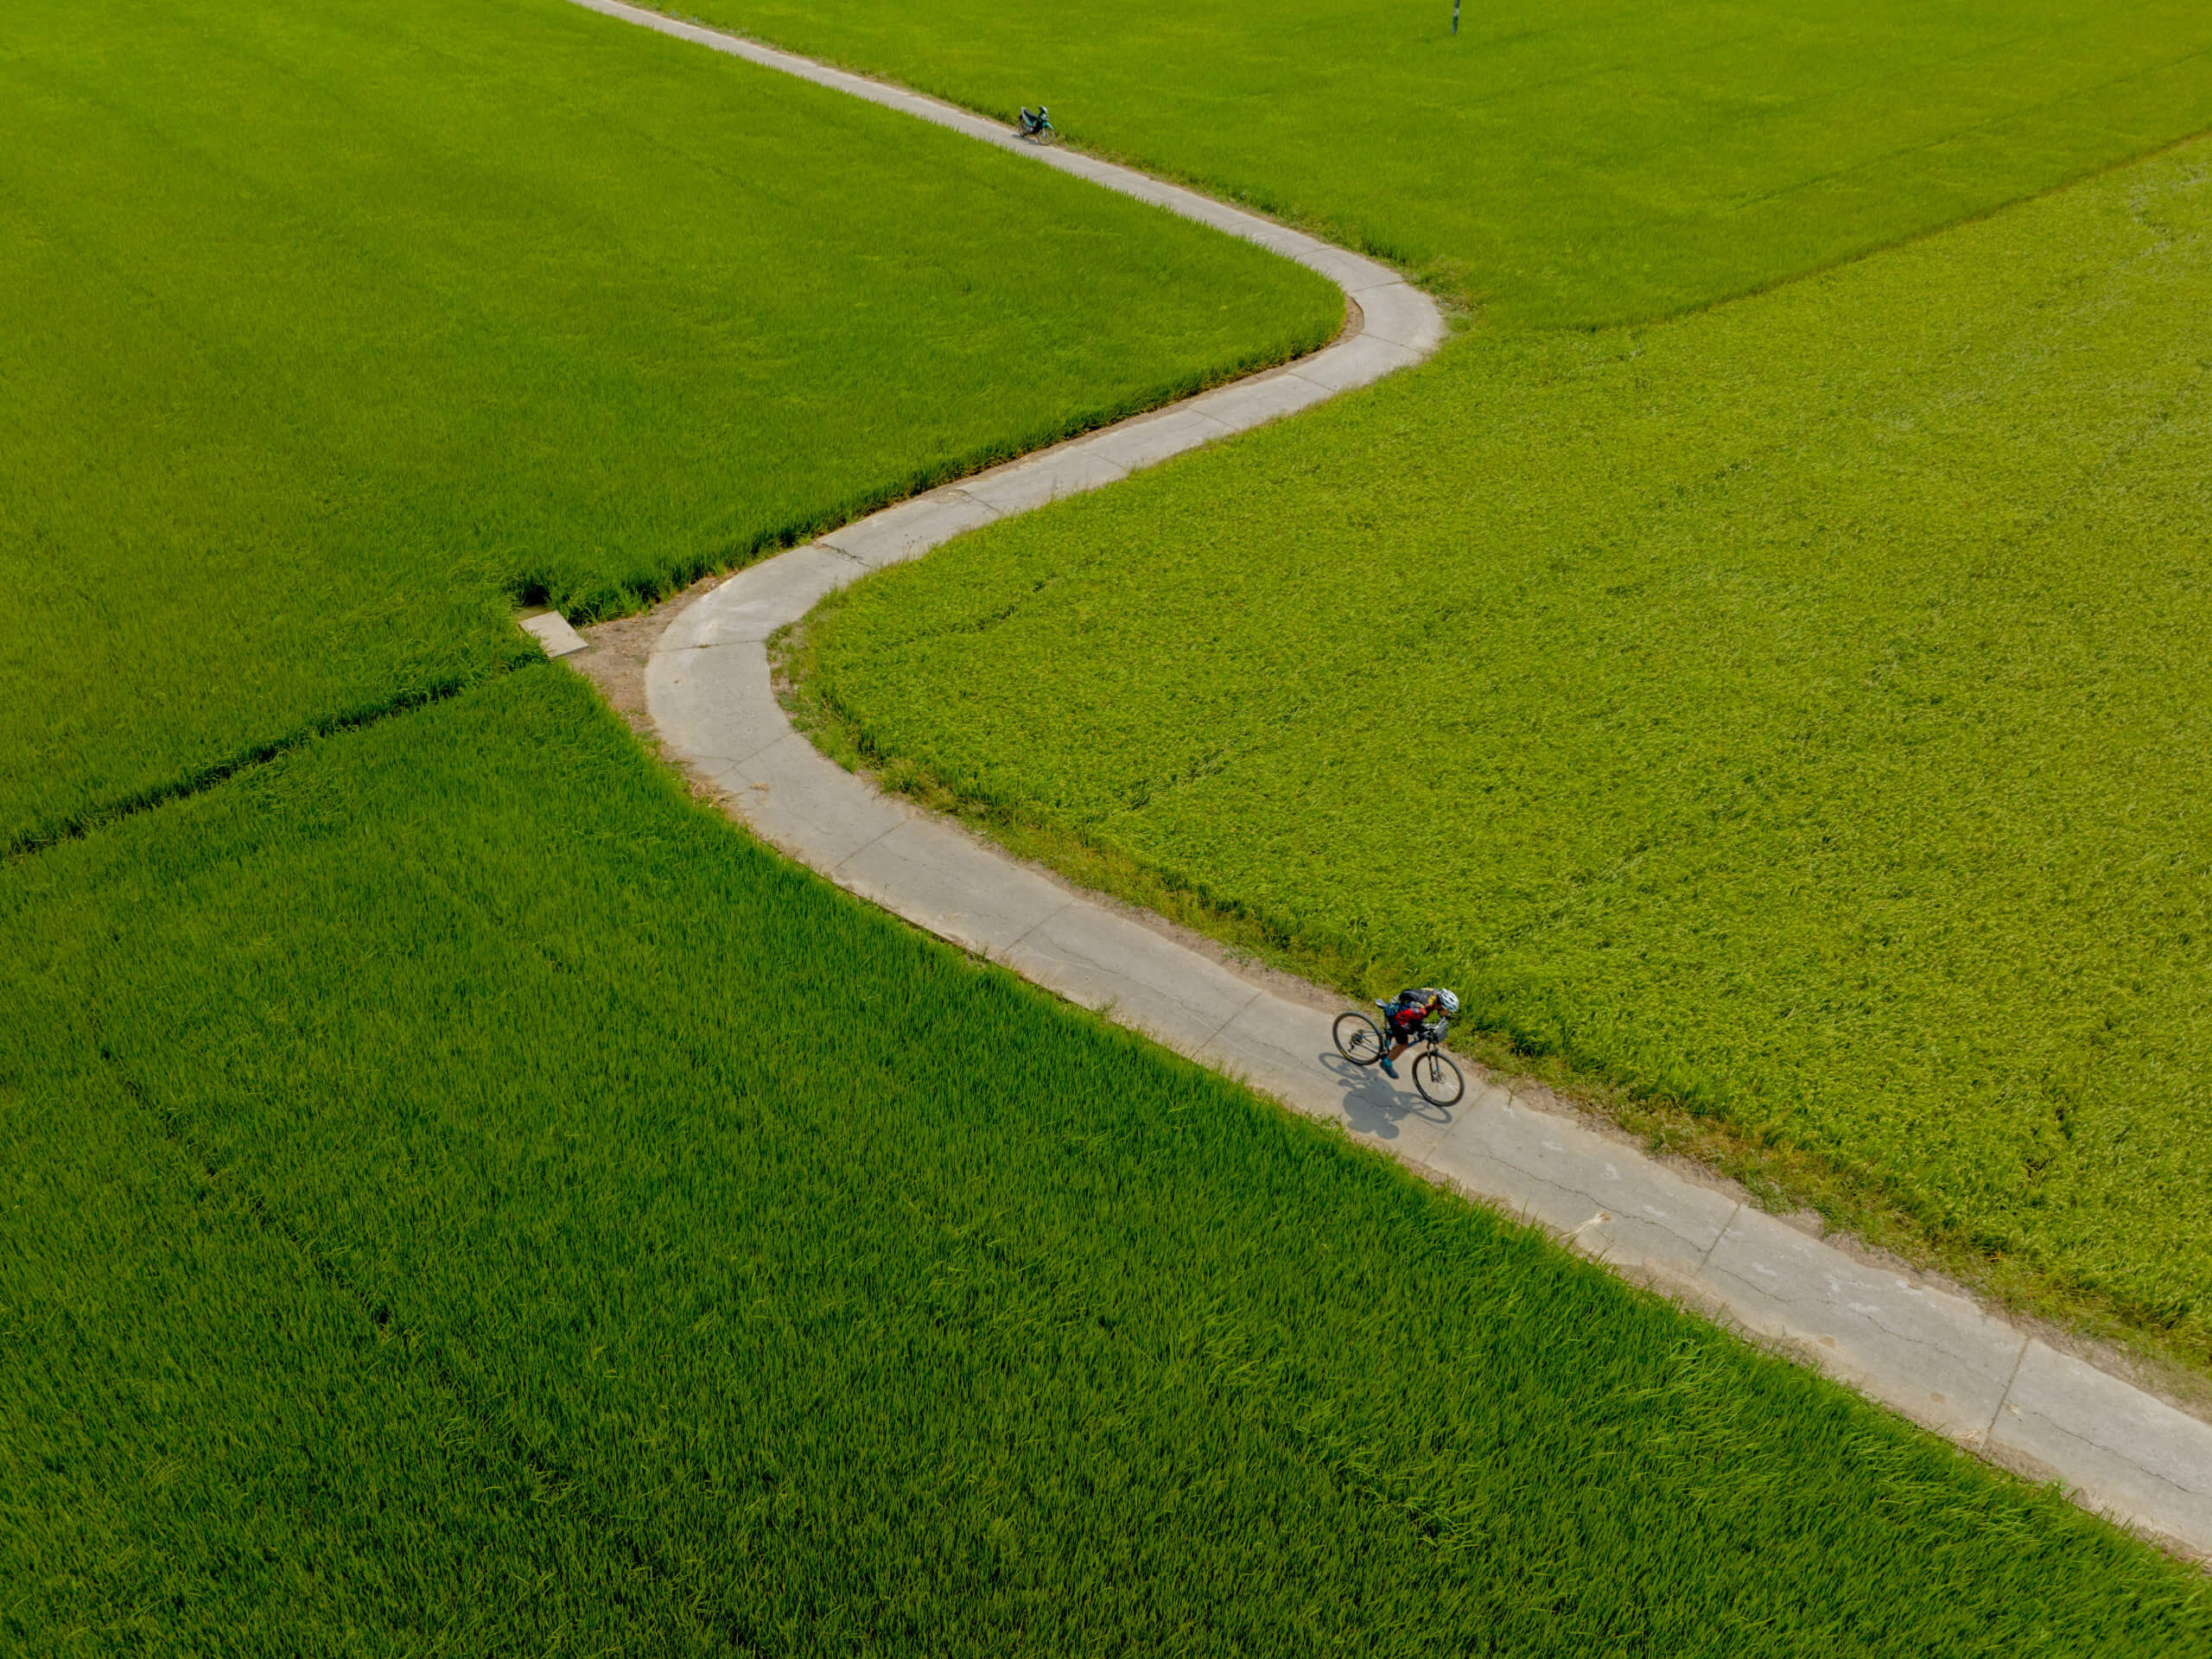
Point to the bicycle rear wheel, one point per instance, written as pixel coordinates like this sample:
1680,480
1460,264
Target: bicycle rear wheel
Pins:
1359,1039
1437,1079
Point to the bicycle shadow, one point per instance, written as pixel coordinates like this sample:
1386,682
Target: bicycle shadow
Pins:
1376,1107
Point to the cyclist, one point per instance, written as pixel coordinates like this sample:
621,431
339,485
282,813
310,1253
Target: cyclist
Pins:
1407,1015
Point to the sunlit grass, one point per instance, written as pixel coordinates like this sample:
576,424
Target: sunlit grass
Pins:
468,1197
1799,709
1575,163
335,329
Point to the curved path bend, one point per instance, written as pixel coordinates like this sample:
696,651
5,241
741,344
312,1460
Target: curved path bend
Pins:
1909,1342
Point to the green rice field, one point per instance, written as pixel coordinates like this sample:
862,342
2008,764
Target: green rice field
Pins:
340,328
471,1201
467,1198
1576,162
1794,712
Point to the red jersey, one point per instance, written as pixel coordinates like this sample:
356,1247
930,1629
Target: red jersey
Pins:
1410,1010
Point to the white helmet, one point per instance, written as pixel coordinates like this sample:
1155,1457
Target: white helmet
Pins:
1449,1002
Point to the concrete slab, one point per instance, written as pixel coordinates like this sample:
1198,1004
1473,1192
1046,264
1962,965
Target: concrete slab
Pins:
1392,1116
1611,1201
1932,1355
1461,1155
1103,173
1032,484
1151,438
1401,314
554,635
1180,200
2125,1452
796,798
1290,1051
1351,272
911,528
1246,227
762,598
1092,956
939,878
1254,403
1277,1048
683,634
1276,239
715,704
928,109
1356,363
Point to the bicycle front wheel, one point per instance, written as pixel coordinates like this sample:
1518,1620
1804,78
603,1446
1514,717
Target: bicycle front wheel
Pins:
1437,1079
1359,1039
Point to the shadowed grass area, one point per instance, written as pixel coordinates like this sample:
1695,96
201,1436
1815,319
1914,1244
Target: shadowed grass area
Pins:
1569,165
334,329
761,1274
1798,710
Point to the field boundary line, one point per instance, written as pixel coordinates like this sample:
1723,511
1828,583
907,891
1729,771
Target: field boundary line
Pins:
1908,1341
416,1349
84,824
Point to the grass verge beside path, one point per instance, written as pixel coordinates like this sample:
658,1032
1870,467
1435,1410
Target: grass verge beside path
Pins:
852,1292
1568,164
335,328
1797,710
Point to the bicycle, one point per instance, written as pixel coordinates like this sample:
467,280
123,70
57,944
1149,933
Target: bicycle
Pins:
1037,126
1436,1079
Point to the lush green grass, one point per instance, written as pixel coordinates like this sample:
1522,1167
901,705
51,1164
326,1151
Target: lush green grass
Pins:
210,1446
1581,162
466,1189
1801,708
466,1199
333,328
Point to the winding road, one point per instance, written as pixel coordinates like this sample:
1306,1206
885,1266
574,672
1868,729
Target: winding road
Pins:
1915,1345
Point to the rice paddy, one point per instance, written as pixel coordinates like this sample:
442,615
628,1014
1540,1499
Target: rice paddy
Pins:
473,1201
1792,714
1568,164
468,1199
342,328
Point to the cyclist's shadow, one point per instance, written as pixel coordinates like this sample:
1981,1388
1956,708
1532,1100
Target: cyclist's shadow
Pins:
1374,1105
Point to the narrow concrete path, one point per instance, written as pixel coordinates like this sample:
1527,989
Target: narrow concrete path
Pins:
1913,1345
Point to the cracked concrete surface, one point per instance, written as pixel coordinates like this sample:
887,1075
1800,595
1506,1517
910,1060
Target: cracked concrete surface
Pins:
2124,1451
1920,1348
